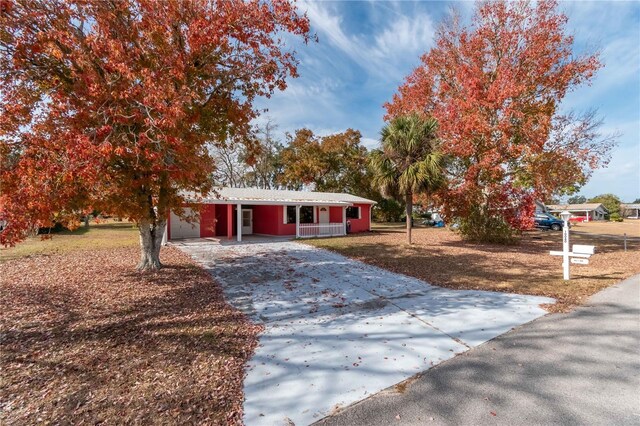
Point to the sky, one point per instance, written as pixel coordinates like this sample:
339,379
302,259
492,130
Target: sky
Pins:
365,49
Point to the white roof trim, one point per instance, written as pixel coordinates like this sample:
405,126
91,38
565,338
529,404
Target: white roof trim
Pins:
256,202
278,197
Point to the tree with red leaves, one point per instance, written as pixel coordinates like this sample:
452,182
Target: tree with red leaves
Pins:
113,105
495,88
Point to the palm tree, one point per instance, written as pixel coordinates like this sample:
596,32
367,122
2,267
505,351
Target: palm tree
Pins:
409,161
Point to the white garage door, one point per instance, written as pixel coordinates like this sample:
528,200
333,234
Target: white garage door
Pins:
181,229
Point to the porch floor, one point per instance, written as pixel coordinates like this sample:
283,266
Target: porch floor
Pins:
225,241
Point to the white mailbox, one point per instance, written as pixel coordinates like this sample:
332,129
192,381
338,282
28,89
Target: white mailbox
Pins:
580,253
582,249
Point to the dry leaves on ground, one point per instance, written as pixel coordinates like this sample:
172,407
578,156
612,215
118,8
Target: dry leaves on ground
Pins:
88,340
441,257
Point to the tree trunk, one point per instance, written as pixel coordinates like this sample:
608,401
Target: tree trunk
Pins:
150,244
409,202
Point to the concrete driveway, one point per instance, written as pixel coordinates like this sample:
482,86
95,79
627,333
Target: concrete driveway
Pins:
338,330
581,368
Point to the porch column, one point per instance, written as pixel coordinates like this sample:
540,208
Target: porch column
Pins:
344,221
165,236
229,221
370,215
587,215
297,221
239,224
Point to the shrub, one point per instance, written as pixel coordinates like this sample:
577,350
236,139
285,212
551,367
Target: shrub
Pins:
615,217
487,229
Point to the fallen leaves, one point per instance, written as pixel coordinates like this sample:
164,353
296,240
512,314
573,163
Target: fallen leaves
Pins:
442,258
88,340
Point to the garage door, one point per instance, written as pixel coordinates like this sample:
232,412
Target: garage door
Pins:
181,229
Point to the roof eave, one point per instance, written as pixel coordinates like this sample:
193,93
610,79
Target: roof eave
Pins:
273,202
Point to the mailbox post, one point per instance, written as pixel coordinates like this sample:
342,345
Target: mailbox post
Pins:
565,215
580,253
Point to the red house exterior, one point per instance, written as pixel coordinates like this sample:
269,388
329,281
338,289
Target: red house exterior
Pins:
246,211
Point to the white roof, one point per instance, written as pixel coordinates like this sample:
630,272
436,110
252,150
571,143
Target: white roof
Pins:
575,207
281,197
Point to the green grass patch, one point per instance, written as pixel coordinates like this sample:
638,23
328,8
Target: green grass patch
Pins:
95,237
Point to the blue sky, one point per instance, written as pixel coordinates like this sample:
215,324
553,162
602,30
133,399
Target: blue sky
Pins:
366,48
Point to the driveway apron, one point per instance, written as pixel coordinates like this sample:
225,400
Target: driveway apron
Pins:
338,330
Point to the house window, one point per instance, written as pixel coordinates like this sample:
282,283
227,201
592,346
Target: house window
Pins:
306,214
291,214
353,212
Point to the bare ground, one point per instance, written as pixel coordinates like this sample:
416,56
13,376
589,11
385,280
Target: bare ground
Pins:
441,257
86,340
631,227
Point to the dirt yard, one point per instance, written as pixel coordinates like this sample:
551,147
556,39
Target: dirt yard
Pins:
441,257
630,227
87,340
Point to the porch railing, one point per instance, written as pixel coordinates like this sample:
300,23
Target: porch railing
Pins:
308,230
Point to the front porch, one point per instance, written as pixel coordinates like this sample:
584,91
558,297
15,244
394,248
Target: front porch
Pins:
312,230
299,221
238,212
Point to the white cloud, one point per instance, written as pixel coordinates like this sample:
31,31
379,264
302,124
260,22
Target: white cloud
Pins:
398,40
405,39
329,25
349,73
370,143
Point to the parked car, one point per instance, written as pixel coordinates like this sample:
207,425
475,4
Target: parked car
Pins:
544,220
577,219
435,223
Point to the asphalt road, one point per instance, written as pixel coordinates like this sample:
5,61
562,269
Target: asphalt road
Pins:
576,368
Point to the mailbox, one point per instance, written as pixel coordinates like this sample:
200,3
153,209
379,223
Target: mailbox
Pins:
583,249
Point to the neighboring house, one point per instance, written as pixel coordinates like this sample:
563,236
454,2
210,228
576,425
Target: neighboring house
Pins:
589,211
245,211
630,211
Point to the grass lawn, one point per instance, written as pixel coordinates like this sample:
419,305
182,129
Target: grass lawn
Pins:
103,235
87,340
441,257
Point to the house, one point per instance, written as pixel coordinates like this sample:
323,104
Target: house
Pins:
246,211
589,211
630,211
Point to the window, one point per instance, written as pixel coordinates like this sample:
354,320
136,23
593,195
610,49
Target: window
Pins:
353,212
306,214
291,214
